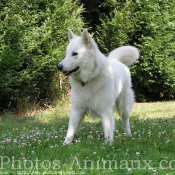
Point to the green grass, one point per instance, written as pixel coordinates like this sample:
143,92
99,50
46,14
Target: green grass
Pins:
33,145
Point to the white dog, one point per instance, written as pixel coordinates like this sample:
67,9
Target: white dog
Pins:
98,83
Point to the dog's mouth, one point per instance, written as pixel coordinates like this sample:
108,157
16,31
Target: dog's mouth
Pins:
67,73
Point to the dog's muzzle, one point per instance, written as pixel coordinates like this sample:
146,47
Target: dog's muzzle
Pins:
67,73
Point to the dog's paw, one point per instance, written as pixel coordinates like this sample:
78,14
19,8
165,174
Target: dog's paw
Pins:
128,132
129,135
67,141
109,141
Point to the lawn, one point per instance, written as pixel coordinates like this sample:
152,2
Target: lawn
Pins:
32,143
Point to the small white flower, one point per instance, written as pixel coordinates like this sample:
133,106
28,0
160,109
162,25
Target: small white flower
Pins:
135,133
150,168
23,144
167,141
154,170
94,153
90,137
39,141
8,140
137,154
77,141
15,141
129,170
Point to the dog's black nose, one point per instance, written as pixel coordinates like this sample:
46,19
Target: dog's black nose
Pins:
60,67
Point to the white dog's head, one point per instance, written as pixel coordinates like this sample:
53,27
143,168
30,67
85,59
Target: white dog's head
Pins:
79,54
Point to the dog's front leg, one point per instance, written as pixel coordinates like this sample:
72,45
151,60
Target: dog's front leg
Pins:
75,122
108,122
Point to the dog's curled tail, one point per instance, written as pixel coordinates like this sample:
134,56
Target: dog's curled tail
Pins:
125,54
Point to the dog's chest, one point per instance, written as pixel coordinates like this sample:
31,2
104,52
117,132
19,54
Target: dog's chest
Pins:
92,99
86,92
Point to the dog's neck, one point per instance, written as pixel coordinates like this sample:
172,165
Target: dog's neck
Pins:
78,80
83,84
90,73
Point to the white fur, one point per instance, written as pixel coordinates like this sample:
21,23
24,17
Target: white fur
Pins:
126,54
107,84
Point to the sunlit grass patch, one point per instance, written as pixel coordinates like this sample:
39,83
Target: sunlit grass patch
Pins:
33,145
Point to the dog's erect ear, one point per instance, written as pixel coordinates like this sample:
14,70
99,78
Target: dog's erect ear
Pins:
70,34
86,38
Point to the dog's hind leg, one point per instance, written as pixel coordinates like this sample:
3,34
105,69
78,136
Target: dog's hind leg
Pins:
124,105
108,122
75,122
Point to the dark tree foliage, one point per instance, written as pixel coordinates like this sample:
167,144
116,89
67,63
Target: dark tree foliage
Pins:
95,10
33,37
150,26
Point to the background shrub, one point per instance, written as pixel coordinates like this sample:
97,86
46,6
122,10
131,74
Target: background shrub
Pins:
150,26
33,37
94,11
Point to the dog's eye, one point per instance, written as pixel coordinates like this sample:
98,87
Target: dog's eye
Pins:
74,54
